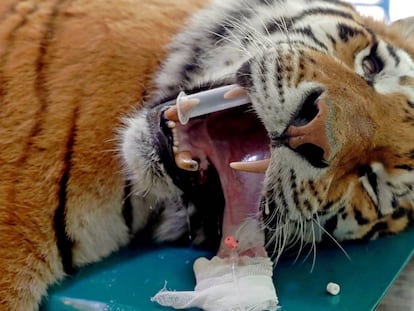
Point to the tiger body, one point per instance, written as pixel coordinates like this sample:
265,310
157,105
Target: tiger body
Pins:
82,172
68,70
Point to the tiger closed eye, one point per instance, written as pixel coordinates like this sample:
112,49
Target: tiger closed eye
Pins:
370,66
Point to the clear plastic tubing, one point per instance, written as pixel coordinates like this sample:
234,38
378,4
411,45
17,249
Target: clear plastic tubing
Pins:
213,100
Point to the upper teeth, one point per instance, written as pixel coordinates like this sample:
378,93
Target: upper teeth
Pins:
183,158
171,113
171,124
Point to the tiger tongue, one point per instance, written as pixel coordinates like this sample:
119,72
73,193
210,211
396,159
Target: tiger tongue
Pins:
241,217
219,139
237,135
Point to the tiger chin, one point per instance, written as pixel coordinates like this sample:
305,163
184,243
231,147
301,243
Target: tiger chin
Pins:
93,154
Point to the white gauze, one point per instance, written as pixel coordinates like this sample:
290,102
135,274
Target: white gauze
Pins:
227,284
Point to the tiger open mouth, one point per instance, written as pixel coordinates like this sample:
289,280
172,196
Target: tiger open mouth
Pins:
197,157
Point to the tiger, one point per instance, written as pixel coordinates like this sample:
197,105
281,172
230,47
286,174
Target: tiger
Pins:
93,155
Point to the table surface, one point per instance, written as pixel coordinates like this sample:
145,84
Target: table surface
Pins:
127,280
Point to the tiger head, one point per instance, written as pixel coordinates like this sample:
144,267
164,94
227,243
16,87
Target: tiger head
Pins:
332,113
340,128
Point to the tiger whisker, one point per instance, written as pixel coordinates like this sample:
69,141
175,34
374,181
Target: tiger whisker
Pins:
232,41
332,238
301,230
312,248
130,194
250,33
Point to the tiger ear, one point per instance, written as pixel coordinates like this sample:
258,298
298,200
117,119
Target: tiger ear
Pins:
405,27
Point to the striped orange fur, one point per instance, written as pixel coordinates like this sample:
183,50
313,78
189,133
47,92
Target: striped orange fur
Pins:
68,71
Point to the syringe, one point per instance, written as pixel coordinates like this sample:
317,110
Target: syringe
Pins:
213,100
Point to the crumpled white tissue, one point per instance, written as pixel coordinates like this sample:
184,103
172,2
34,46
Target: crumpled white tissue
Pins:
223,285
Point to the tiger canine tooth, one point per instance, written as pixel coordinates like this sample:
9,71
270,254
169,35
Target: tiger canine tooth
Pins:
171,114
184,161
251,166
236,92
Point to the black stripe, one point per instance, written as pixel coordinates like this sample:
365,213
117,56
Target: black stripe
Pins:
278,25
366,170
127,206
404,167
302,44
313,189
307,31
244,75
275,24
293,186
332,39
331,224
327,206
188,71
373,55
63,241
399,213
374,38
360,219
393,54
39,84
225,27
307,205
373,181
48,35
280,193
345,32
379,226
280,69
264,69
324,12
269,2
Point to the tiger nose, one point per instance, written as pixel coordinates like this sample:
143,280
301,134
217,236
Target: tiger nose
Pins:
314,132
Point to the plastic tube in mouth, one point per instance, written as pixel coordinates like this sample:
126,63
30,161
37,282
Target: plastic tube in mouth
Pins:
201,103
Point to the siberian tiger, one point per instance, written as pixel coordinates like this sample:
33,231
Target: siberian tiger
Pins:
92,157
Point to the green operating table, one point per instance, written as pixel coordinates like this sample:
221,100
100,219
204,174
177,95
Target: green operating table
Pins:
127,280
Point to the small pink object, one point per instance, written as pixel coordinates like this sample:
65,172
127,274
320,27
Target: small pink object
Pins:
231,242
